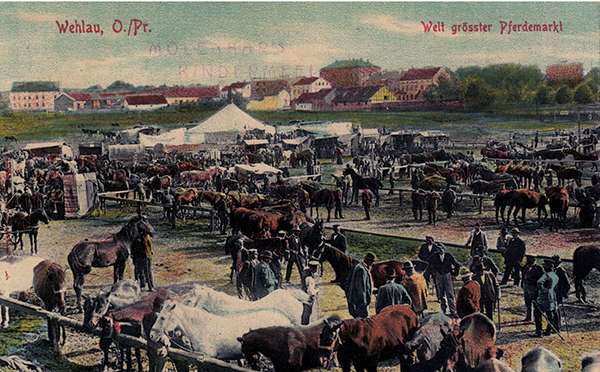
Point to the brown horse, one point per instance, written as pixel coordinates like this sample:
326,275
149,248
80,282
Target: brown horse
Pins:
317,197
49,286
211,196
522,199
112,251
359,183
558,201
24,223
567,173
585,258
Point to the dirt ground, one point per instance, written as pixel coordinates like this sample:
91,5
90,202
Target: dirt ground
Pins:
191,252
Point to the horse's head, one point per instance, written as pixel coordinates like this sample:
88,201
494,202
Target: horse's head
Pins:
141,226
163,327
328,341
251,355
41,216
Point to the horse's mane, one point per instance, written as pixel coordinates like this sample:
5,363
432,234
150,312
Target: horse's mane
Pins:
341,262
130,231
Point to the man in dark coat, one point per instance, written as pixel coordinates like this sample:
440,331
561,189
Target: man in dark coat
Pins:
431,201
245,278
448,201
444,266
477,242
338,239
515,251
546,300
391,293
490,290
360,288
532,272
562,287
468,298
367,198
265,281
296,255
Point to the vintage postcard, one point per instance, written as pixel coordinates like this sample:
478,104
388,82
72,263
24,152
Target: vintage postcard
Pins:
209,180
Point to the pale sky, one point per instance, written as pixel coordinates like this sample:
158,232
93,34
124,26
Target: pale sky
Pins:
220,43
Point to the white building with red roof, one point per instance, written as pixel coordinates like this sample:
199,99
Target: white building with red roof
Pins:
308,85
145,102
414,82
243,89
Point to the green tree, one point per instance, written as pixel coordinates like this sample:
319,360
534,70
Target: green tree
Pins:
446,90
119,86
564,95
544,95
584,95
476,92
593,79
93,89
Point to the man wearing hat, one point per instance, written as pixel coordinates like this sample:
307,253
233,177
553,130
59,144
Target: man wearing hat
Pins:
502,240
443,266
391,293
245,278
338,239
467,300
360,287
490,290
312,287
562,287
265,281
367,197
546,300
532,272
477,242
515,251
296,255
431,202
416,286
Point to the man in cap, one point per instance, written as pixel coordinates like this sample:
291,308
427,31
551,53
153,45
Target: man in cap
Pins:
431,201
265,281
296,255
562,287
360,287
391,293
312,287
546,300
367,197
515,251
448,201
490,290
443,266
417,199
245,278
467,300
502,240
338,239
416,286
477,242
532,272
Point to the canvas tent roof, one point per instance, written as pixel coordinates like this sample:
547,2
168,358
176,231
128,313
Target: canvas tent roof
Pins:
257,168
230,119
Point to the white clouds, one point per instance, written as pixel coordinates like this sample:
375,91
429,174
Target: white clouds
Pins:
389,23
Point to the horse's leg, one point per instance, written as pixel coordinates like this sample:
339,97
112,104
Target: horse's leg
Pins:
580,274
78,281
4,315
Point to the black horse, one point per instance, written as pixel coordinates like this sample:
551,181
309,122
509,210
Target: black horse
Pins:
359,183
585,258
320,197
112,251
313,238
23,223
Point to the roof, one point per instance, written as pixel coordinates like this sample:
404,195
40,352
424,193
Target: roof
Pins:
199,92
42,145
420,73
295,141
355,94
257,168
256,142
34,86
350,63
80,96
234,86
383,76
230,119
150,99
310,97
306,81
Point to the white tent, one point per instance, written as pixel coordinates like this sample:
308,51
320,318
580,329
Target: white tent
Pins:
175,137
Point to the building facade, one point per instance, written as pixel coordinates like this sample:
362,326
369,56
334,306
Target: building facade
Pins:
349,73
33,96
414,83
308,85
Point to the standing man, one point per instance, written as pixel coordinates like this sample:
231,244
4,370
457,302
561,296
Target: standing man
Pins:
431,201
312,287
142,251
296,255
338,240
467,300
416,287
360,287
490,290
392,181
367,198
546,300
417,199
265,281
245,278
562,287
444,265
515,251
502,240
477,242
448,201
427,250
222,215
532,272
391,293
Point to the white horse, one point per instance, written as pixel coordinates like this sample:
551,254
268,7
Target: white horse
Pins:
215,336
286,302
16,275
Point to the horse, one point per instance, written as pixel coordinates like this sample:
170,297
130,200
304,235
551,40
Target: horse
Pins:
540,359
585,258
120,294
112,251
313,238
211,196
10,139
320,197
24,223
523,199
49,286
359,183
567,173
214,336
590,362
17,276
558,201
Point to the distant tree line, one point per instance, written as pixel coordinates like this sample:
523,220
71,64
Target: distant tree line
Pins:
482,87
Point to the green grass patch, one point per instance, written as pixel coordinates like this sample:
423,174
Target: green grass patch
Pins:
12,336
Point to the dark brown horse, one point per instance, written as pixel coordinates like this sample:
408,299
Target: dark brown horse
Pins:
359,183
112,251
558,201
24,223
49,286
317,197
567,173
212,197
522,199
585,258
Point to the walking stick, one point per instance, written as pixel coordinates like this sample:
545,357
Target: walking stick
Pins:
548,320
499,320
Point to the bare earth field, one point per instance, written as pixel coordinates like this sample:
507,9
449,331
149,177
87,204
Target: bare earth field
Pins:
190,252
